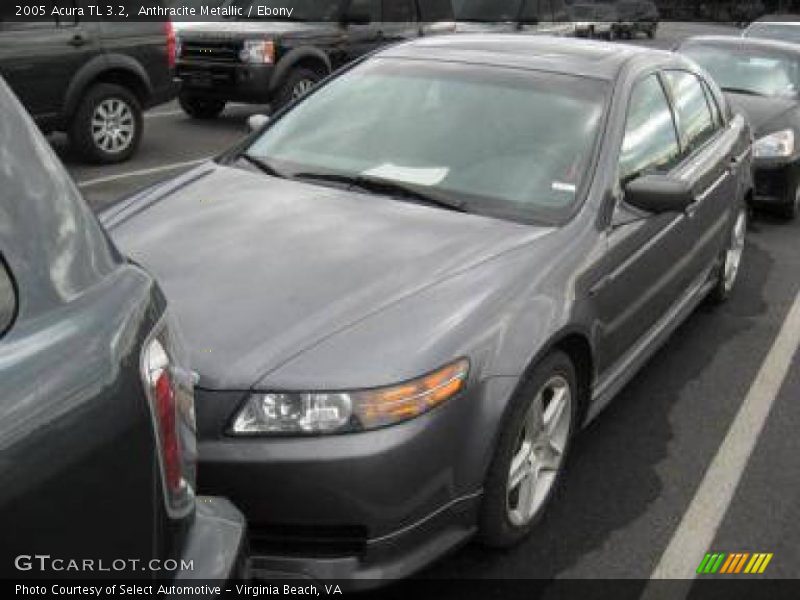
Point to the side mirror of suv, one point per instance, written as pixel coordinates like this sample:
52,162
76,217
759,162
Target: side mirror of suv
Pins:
256,122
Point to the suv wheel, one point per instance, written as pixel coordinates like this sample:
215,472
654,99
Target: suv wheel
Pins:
107,127
198,107
529,459
299,82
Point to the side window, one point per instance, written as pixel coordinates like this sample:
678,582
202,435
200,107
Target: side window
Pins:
8,298
650,142
398,11
695,121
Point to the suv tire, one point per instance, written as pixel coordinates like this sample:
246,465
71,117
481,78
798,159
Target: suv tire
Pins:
198,107
107,126
297,84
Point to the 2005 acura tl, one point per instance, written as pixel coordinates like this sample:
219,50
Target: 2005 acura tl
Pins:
408,291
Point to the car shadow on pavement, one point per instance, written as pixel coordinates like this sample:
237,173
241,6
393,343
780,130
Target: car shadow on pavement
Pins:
620,465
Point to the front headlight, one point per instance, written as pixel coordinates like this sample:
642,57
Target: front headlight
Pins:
260,52
340,412
775,145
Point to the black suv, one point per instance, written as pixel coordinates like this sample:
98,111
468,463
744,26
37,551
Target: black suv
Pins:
273,61
90,79
96,404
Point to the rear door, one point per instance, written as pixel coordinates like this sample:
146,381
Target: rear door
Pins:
39,58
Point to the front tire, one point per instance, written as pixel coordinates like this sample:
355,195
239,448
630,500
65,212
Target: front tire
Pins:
791,208
731,259
531,450
299,82
198,107
107,126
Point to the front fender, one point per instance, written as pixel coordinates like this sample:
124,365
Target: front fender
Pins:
96,67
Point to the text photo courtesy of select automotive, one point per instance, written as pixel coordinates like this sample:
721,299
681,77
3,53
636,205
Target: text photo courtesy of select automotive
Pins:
391,297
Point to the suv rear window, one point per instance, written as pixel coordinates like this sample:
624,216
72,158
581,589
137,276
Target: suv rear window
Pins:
8,298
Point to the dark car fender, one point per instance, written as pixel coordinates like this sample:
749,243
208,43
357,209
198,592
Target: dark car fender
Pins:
99,66
304,54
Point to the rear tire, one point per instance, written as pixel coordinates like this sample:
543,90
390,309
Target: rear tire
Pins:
531,451
198,107
791,208
731,257
107,126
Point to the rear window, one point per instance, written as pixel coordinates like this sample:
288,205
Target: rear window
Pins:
8,298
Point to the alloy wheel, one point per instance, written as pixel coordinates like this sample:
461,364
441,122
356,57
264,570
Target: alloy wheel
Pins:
113,125
301,88
539,451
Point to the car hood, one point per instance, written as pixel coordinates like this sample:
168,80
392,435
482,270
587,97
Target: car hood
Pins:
765,114
257,270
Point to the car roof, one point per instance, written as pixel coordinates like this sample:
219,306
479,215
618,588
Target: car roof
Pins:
570,56
744,42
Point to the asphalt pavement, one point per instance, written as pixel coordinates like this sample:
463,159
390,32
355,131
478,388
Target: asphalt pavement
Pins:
679,464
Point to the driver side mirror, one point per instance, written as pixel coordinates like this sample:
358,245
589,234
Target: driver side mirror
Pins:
256,122
659,194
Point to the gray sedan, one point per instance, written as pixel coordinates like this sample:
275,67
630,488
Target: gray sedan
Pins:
407,292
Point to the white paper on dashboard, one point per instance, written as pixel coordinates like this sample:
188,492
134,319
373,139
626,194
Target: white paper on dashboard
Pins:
413,175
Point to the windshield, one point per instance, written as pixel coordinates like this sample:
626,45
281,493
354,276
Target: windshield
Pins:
503,142
775,31
748,70
301,10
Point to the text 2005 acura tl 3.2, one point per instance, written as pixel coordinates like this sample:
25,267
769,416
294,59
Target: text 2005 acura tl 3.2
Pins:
408,291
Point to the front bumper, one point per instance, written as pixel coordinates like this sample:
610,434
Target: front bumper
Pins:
367,506
216,544
775,181
225,81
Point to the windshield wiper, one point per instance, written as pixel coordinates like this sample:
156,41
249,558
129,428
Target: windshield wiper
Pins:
387,187
262,165
736,90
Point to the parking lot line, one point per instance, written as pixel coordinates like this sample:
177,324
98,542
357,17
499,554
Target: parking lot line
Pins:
141,172
700,522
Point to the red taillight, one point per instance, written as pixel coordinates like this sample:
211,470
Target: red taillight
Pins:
172,44
170,448
171,397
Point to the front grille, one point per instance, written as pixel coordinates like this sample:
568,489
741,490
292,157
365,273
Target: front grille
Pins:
225,52
310,541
